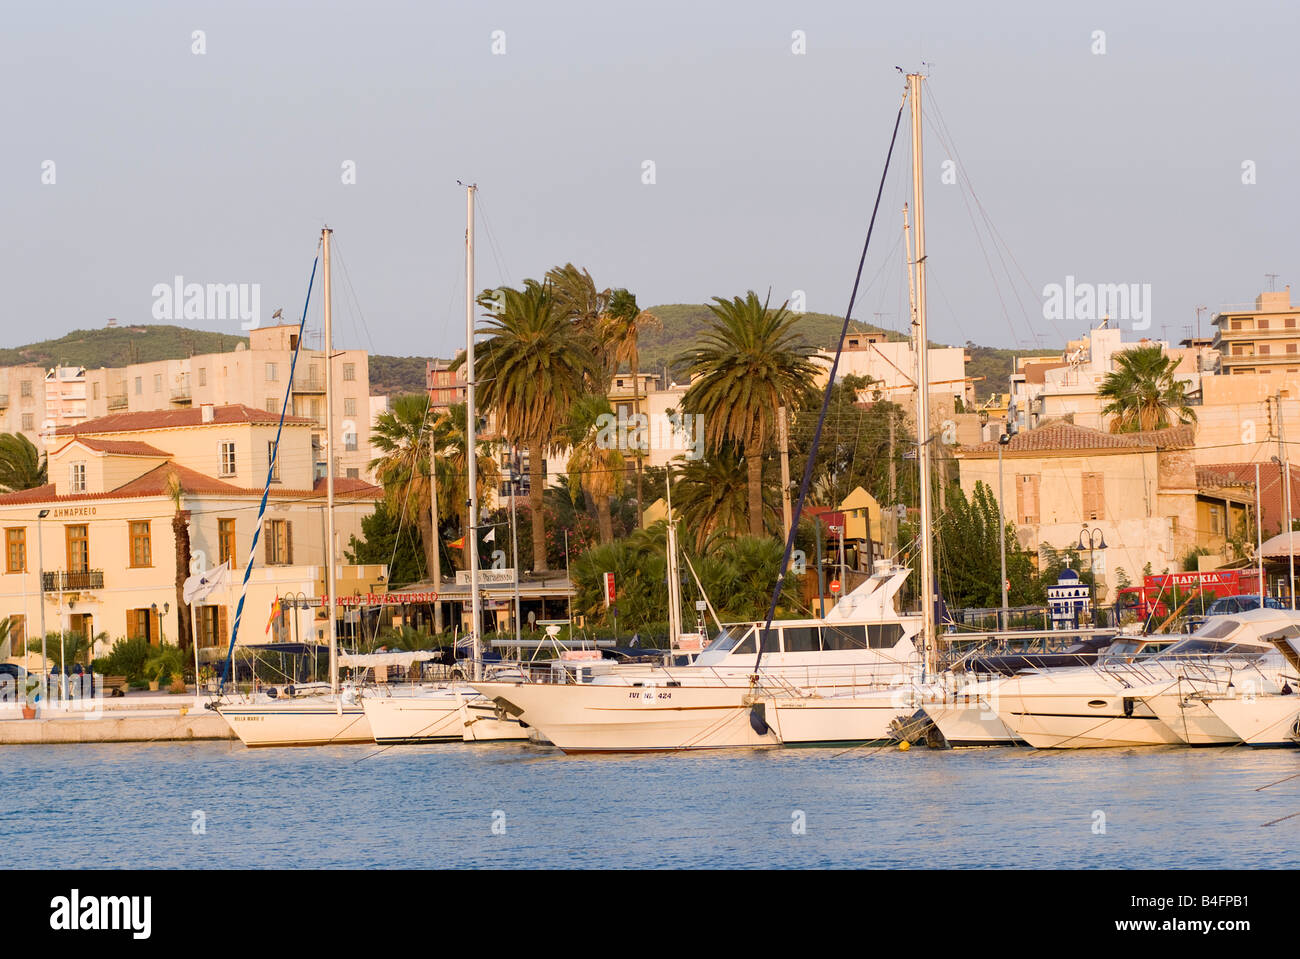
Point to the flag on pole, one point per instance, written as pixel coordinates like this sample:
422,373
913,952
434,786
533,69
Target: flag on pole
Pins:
275,613
457,543
199,586
491,536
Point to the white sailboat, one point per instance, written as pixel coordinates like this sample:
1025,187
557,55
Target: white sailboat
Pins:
454,711
336,717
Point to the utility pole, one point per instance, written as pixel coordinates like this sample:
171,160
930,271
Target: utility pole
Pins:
1285,462
893,468
783,441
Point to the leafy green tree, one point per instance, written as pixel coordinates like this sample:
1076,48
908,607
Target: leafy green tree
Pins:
595,458
711,496
969,560
382,544
749,365
1141,393
450,439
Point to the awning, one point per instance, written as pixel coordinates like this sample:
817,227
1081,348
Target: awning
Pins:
362,660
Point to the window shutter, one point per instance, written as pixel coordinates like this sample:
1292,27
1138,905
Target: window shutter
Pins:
288,542
268,538
1027,499
223,627
1094,504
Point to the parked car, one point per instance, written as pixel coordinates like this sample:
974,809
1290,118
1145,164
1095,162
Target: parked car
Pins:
1226,605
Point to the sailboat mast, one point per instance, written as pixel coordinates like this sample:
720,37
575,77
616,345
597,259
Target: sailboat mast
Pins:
928,630
471,441
329,464
674,580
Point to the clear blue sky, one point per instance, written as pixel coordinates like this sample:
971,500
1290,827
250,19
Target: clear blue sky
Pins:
1122,167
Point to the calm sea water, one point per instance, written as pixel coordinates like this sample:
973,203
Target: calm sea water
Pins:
436,806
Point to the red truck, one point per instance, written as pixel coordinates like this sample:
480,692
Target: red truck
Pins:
1160,594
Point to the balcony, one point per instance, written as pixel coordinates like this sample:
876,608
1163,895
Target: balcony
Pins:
56,581
117,401
182,395
308,384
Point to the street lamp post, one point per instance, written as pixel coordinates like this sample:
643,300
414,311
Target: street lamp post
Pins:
1091,539
40,575
1003,440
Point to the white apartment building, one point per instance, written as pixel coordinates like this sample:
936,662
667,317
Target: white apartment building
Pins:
257,376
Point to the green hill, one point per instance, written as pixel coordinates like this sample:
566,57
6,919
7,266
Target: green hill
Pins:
120,345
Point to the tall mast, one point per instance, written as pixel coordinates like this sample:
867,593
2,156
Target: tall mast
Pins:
471,441
928,631
674,581
329,465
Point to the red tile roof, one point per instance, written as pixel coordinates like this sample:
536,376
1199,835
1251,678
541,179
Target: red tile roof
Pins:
172,419
154,483
118,447
1058,436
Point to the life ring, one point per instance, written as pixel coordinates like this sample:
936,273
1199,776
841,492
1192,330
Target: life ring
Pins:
272,692
288,690
457,673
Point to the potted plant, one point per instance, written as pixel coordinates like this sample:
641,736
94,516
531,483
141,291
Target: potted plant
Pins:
31,695
164,662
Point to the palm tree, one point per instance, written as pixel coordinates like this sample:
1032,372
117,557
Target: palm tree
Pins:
22,465
450,440
710,495
181,537
750,365
624,321
577,298
533,366
400,434
598,462
1143,393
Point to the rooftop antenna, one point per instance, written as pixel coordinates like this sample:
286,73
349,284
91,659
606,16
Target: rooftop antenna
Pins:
1199,311
1272,281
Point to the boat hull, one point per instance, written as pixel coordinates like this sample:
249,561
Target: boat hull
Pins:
1191,719
439,716
969,721
298,723
1262,721
590,718
832,721
1064,719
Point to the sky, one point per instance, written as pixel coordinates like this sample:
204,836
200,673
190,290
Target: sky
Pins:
1107,142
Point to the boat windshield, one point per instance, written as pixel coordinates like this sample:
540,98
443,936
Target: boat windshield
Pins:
1201,646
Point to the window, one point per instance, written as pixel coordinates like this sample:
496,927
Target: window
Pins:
94,391
203,376
227,458
226,540
272,461
802,639
1292,347
16,550
1263,349
1094,495
354,474
272,374
1027,499
1263,324
17,629
157,382
140,625
350,441
25,389
29,421
349,406
141,544
213,626
139,385
77,477
78,543
349,372
1216,520
272,405
278,534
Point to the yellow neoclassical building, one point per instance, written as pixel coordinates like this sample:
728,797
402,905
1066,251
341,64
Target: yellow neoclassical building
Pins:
95,550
